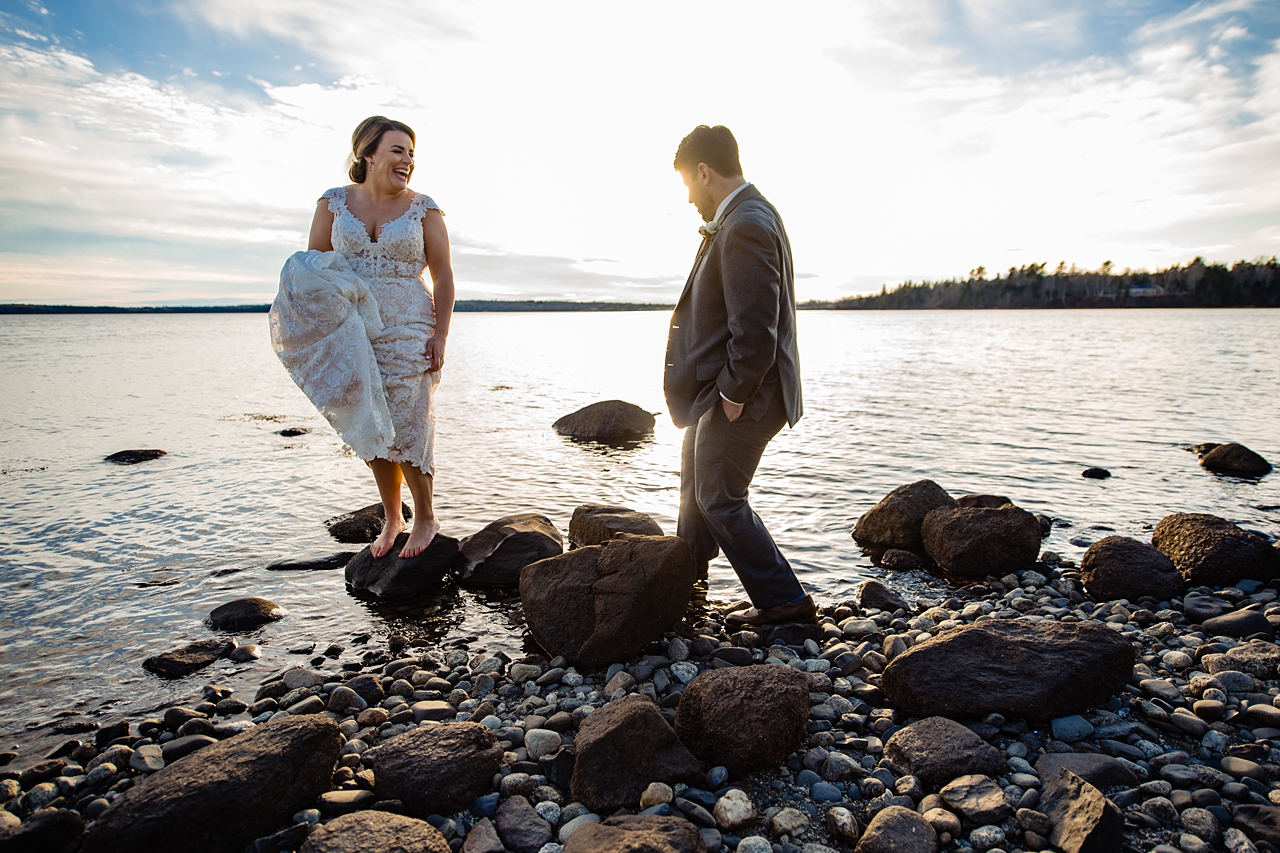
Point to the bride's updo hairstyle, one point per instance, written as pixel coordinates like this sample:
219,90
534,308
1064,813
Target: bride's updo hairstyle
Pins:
365,140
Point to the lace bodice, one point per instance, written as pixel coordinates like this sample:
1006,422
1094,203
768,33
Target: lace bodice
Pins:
398,252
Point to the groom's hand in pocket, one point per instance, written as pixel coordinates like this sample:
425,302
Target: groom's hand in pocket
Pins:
732,411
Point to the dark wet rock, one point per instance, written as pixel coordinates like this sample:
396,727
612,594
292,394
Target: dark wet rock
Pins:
895,521
181,747
898,830
872,593
604,603
245,614
1235,460
375,830
188,659
1260,823
240,789
899,560
744,718
1241,623
1101,771
313,563
976,542
392,576
46,831
520,827
595,524
362,525
1095,473
1022,670
438,769
936,750
983,501
494,556
1119,567
1199,608
1084,820
623,747
133,457
1207,550
637,834
293,432
610,420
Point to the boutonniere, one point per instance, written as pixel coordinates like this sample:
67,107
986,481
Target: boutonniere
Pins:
709,230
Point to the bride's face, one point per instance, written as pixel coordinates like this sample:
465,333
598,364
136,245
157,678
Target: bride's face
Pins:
392,163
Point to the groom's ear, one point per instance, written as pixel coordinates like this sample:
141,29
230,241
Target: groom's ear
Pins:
704,174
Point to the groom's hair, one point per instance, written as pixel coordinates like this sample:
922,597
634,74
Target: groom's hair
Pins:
714,146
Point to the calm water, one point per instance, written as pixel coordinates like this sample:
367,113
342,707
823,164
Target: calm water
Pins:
101,566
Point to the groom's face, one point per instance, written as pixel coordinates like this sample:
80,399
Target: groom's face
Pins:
699,194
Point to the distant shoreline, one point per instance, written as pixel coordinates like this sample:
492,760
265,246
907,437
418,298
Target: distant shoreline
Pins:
462,306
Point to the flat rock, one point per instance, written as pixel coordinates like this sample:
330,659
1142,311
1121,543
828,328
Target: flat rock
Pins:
623,747
977,799
494,556
610,420
1211,551
188,659
1084,820
1021,670
637,834
133,457
1235,460
391,576
1101,771
375,830
1258,658
896,520
1240,623
361,525
744,718
936,750
595,524
872,593
1198,608
439,769
245,614
313,562
980,541
605,603
1119,567
261,777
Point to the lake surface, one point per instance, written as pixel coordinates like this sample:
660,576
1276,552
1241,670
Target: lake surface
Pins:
103,565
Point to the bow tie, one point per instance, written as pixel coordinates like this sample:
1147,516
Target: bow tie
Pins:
709,230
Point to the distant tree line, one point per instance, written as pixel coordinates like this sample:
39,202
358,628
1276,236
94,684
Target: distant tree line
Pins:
1198,284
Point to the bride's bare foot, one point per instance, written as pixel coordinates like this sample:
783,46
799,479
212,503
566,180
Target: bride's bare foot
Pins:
424,530
387,538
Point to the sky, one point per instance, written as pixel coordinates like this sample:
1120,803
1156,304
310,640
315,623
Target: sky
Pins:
165,153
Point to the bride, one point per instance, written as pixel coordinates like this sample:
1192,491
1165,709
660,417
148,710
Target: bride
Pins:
388,235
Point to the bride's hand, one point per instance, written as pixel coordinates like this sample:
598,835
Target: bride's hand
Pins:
435,351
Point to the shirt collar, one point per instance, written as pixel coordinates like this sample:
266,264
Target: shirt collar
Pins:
724,205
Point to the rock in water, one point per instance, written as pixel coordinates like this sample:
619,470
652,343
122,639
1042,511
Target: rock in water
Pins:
391,576
1022,670
375,830
595,524
237,790
1095,473
975,542
133,457
623,747
1235,460
494,556
188,659
611,420
898,830
604,603
46,831
1119,567
1084,821
1211,551
362,525
937,750
637,833
983,501
872,593
245,614
744,717
313,563
438,769
895,521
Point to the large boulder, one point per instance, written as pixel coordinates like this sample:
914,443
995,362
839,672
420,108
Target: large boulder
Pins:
245,614
188,659
744,717
623,747
375,830
611,420
936,750
46,831
1084,820
392,576
980,541
895,521
898,830
1259,822
362,525
494,556
595,524
1233,459
605,603
1020,669
1211,551
236,790
437,769
1120,567
637,834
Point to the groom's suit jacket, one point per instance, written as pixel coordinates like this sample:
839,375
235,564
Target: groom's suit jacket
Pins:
734,328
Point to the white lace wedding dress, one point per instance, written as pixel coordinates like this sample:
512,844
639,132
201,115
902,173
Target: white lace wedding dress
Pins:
324,326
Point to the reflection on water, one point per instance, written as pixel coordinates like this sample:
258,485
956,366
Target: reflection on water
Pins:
103,565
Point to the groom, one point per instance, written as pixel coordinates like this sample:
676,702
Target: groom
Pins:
733,374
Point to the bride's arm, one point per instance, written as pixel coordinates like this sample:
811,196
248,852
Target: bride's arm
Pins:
321,237
435,238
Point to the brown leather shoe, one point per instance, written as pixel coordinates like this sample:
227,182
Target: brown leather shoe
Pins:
803,610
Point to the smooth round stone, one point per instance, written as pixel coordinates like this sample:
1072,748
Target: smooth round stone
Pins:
487,805
684,671
986,837
1071,729
540,742
1209,709
825,792
1179,776
1189,843
572,826
656,793
717,776
548,811
1242,767
754,844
